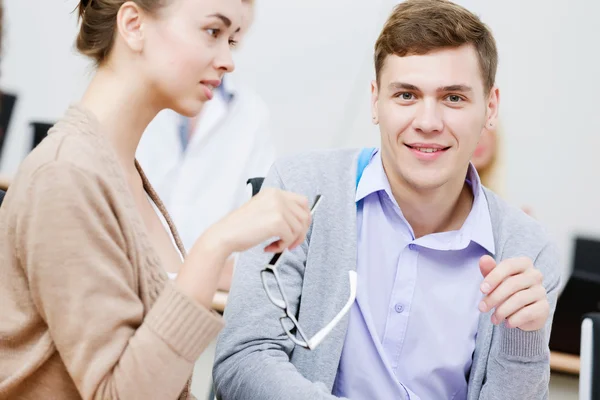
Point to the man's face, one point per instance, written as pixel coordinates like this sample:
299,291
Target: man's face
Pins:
431,110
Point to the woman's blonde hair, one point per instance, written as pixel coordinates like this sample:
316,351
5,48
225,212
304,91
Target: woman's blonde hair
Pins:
492,174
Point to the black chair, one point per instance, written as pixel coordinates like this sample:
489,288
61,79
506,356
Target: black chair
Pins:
589,375
40,131
7,106
256,184
2,193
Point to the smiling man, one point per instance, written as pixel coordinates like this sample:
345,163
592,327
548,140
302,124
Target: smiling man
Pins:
455,288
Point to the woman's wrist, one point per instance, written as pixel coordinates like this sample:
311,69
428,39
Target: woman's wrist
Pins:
214,242
200,273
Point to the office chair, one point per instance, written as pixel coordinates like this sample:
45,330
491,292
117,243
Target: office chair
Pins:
256,184
7,106
589,375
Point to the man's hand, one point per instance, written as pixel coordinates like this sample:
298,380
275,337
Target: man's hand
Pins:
514,288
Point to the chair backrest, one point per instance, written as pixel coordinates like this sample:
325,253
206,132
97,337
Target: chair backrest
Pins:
589,375
2,193
256,184
7,106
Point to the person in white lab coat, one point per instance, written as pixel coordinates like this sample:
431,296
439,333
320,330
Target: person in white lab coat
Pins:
199,166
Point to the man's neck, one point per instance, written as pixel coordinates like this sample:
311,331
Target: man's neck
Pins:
434,210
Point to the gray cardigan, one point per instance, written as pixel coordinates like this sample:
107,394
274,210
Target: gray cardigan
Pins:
256,360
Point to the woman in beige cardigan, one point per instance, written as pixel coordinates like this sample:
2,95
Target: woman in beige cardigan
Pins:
88,310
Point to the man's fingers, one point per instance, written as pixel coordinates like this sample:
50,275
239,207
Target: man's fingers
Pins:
486,265
530,318
519,301
502,271
508,287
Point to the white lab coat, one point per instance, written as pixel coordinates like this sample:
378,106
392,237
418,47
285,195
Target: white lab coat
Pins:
205,182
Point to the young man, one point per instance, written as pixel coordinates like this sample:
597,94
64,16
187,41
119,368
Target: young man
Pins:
455,288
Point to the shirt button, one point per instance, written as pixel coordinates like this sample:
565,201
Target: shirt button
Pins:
412,246
399,308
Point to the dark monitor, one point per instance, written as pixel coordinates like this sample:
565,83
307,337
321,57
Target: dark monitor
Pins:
587,255
580,296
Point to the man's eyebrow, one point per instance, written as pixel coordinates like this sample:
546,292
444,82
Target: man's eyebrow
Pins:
403,86
456,88
450,88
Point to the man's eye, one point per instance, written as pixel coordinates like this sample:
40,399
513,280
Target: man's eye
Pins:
453,98
406,96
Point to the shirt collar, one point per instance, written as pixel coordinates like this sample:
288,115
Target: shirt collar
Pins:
373,178
478,225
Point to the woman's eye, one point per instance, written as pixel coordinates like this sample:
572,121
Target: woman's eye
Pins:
213,32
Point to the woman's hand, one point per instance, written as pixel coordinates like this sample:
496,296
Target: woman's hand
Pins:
272,213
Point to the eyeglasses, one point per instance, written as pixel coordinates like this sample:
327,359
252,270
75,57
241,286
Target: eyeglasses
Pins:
270,274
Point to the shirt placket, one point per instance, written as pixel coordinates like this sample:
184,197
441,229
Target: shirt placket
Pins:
400,305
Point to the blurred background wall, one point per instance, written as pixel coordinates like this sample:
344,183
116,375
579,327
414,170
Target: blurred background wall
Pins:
311,60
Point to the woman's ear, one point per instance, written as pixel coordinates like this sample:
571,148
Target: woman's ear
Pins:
130,26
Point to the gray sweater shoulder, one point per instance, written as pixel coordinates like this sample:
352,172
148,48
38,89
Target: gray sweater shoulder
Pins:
317,171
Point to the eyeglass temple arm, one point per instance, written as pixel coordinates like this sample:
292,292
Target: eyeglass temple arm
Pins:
322,334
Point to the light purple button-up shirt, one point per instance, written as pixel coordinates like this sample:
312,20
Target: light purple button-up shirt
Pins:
412,329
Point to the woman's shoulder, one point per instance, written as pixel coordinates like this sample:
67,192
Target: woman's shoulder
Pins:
75,142
73,150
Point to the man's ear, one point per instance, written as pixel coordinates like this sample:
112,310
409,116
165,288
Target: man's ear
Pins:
493,105
375,102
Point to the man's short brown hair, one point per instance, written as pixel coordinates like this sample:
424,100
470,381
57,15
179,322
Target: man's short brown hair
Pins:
418,27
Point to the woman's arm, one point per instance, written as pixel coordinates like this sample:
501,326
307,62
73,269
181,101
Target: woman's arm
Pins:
73,250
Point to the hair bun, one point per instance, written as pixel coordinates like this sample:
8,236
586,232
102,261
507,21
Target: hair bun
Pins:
98,24
83,5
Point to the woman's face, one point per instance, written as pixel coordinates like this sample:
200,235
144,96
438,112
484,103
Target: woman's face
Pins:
485,150
247,16
186,51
